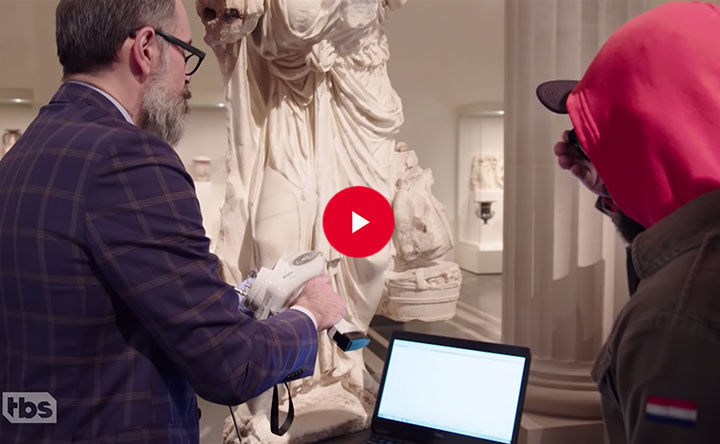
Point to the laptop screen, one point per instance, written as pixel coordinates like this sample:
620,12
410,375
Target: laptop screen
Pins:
458,390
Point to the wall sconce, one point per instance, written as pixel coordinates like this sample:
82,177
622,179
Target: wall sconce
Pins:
485,211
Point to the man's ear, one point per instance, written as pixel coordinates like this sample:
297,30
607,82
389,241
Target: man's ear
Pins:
145,51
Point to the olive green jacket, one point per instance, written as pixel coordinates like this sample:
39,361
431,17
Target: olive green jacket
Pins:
659,371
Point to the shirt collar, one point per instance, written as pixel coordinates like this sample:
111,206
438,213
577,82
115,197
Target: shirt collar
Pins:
682,230
117,104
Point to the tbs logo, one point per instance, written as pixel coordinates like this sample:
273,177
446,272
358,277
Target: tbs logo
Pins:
29,407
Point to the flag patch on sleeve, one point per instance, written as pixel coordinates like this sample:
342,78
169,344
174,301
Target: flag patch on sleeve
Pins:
671,411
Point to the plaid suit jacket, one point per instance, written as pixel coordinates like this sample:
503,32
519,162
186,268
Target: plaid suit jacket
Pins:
109,298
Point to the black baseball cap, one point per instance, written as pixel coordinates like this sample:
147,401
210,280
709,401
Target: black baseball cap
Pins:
554,94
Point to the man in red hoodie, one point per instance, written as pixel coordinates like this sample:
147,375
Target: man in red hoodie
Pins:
646,116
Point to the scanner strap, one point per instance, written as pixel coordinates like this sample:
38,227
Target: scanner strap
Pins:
275,413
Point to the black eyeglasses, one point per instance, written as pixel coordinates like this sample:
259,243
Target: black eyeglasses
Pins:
192,60
575,143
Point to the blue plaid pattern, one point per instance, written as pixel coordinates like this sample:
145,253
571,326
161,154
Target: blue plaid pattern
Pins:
109,297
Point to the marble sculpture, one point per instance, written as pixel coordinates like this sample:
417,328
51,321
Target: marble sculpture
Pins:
311,111
487,172
419,286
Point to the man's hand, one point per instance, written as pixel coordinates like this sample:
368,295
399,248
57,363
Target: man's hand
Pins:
582,169
323,302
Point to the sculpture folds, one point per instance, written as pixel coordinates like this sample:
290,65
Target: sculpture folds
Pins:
311,111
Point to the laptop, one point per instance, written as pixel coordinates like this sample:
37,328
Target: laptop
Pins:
441,389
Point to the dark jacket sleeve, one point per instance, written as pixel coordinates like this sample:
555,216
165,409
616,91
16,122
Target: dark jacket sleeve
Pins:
666,372
145,235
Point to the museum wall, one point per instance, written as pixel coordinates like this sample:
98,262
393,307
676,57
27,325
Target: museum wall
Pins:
27,45
15,117
444,54
206,136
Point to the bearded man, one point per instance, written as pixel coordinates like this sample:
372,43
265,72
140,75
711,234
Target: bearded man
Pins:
112,311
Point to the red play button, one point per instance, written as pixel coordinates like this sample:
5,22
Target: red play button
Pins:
358,221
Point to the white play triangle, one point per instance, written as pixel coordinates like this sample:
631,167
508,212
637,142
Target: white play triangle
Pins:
358,222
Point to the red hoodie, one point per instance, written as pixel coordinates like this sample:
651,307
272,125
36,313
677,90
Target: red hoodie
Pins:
647,110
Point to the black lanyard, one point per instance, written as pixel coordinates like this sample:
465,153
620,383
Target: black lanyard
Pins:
275,413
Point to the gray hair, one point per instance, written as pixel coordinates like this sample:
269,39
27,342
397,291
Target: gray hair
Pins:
89,33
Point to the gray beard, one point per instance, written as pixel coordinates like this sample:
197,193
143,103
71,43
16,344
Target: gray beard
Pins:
164,115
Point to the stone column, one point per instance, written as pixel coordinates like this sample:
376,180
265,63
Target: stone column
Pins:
564,277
